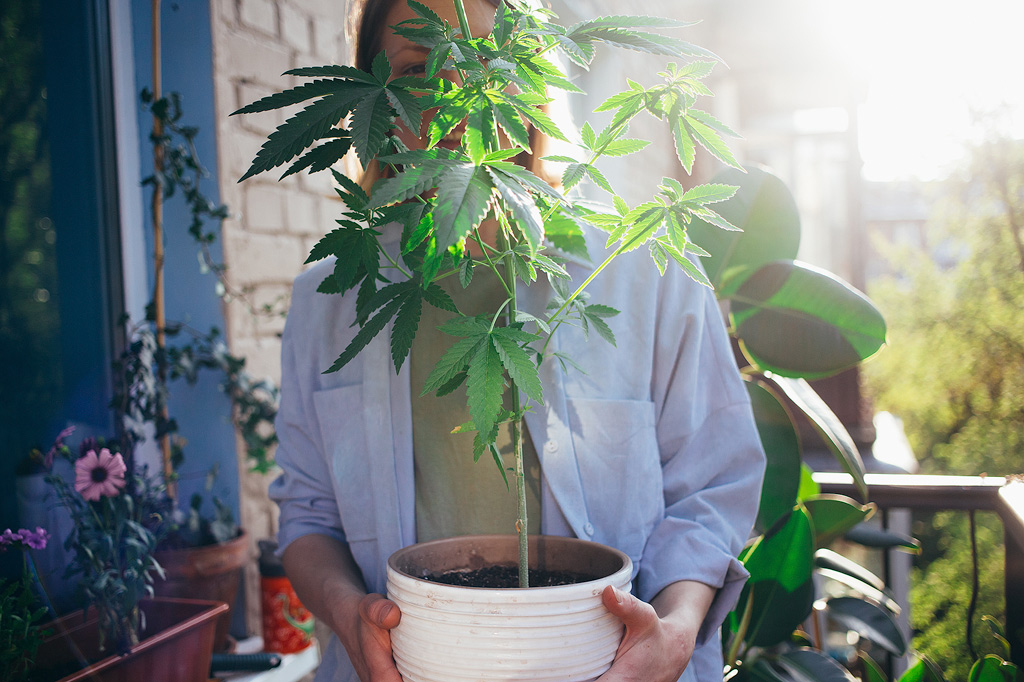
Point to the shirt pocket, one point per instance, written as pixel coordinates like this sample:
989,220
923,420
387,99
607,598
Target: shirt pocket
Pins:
616,448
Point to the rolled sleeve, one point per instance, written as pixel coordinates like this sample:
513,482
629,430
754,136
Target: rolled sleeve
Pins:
711,502
712,462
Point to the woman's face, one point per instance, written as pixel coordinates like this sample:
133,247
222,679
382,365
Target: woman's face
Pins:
409,59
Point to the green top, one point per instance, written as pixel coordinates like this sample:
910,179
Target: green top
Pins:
454,495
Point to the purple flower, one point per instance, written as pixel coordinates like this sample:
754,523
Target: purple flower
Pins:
9,537
23,537
99,475
58,443
36,540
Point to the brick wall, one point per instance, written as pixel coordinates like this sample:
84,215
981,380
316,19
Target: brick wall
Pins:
273,224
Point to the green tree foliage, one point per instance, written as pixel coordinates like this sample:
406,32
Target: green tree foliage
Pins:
955,369
941,593
955,374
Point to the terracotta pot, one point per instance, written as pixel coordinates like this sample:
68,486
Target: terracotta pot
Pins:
212,572
463,634
176,646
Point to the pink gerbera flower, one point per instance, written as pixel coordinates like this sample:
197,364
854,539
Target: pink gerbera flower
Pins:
99,475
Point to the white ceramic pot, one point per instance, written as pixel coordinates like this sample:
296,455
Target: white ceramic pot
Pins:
470,634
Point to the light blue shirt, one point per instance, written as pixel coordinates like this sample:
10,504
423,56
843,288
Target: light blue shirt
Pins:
652,449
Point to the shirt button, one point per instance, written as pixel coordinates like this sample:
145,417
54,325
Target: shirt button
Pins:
588,529
551,446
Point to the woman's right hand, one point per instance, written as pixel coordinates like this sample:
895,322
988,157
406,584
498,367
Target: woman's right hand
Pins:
369,641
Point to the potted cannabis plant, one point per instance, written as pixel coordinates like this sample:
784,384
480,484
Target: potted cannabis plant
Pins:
439,197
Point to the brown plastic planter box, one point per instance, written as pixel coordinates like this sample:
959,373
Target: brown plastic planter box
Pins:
176,646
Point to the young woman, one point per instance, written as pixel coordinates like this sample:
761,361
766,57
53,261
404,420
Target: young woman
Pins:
653,450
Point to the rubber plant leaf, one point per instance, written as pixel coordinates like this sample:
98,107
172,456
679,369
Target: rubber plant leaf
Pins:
764,209
877,538
780,565
799,321
924,670
833,515
992,668
870,621
809,665
782,448
871,671
827,424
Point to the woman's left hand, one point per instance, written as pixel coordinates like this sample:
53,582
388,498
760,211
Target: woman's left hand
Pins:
658,643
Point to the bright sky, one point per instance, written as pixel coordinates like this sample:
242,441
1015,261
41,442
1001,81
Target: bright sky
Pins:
928,63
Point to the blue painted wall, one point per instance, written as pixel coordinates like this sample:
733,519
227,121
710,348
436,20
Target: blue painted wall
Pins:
203,411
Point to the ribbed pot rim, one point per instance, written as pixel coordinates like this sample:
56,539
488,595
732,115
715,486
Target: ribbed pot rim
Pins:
477,551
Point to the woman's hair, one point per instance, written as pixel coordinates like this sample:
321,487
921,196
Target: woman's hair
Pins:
364,31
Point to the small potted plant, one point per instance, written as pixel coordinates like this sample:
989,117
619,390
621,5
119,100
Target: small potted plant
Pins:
21,616
424,222
115,509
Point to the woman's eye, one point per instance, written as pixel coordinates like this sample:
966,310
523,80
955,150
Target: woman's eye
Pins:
419,69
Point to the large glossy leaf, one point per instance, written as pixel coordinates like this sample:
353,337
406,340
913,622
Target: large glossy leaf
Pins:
870,669
924,670
993,669
764,209
827,559
799,321
782,447
758,671
872,536
780,584
867,591
870,621
824,420
808,665
833,515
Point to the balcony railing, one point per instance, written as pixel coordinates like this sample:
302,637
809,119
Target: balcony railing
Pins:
1004,496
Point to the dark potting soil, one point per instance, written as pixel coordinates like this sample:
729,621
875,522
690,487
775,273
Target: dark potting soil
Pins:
507,577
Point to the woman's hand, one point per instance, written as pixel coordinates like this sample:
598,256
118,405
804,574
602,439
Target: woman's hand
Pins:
329,583
368,640
658,642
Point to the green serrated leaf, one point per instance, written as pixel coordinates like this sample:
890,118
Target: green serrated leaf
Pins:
573,175
686,150
332,70
463,199
321,158
710,193
371,121
524,209
485,386
366,334
508,118
301,93
303,129
439,298
454,361
624,147
710,140
406,324
598,177
465,272
602,328
519,364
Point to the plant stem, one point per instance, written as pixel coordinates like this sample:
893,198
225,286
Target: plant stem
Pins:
460,9
741,631
517,439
